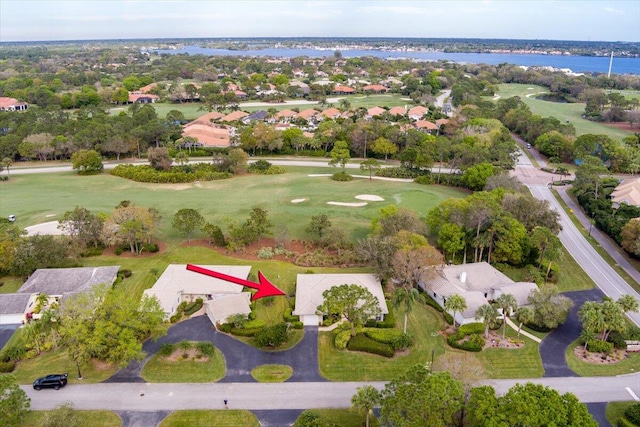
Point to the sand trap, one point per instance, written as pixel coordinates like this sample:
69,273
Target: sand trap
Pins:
353,205
50,215
370,197
314,175
299,200
44,228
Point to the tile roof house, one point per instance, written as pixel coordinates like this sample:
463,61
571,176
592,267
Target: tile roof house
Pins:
330,113
221,299
286,115
417,112
374,88
12,104
478,283
309,289
342,90
148,88
307,114
142,97
398,111
57,284
208,134
426,125
236,115
209,117
628,192
375,111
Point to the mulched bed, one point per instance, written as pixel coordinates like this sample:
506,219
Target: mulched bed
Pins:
617,355
495,341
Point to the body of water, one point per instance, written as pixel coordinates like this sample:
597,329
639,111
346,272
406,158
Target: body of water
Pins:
578,64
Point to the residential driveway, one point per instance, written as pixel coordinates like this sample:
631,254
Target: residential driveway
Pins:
6,332
553,347
240,358
142,419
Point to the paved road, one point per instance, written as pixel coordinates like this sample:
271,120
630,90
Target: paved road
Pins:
605,277
146,397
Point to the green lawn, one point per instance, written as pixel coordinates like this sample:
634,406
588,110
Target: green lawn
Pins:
86,418
160,370
344,417
629,365
223,418
424,324
523,362
615,411
562,111
271,373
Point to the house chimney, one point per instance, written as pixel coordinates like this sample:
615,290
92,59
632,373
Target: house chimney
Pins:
463,277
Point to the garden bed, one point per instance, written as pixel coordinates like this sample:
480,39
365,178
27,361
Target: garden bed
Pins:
617,355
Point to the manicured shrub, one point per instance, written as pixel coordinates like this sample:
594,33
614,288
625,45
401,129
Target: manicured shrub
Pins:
297,325
192,307
118,250
125,272
432,303
206,348
632,413
244,332
225,327
387,336
397,173
617,340
255,324
361,343
425,180
599,346
6,367
623,422
388,322
166,349
272,336
150,247
474,343
175,318
289,317
342,339
471,328
341,176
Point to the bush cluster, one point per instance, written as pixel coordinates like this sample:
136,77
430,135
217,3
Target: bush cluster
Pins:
342,339
341,176
8,366
472,328
192,307
388,322
394,337
180,174
474,343
362,343
125,272
398,173
262,167
599,346
272,336
632,413
289,317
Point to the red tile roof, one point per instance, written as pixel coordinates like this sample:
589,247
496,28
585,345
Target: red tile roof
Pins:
397,111
330,113
135,96
374,88
7,103
376,111
208,134
307,114
426,124
343,89
236,115
286,113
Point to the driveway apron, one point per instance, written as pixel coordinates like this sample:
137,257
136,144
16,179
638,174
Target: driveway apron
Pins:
553,347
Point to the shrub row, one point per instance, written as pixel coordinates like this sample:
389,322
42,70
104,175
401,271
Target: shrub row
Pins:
289,317
623,422
632,413
471,328
145,173
342,339
475,342
244,332
394,337
388,322
398,173
362,343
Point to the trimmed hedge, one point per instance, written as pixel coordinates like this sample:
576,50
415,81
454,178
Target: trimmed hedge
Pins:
475,343
6,367
623,422
388,322
226,328
192,307
386,336
471,328
244,332
632,413
255,324
342,339
361,343
599,346
145,173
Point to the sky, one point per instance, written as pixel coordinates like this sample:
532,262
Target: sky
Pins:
39,20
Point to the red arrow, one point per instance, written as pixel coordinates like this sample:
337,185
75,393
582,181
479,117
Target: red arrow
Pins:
265,288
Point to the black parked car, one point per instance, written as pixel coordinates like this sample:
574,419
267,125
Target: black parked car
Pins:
54,381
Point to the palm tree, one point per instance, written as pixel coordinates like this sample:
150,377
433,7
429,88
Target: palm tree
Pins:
7,162
591,316
455,303
524,315
487,314
628,303
507,303
406,297
365,400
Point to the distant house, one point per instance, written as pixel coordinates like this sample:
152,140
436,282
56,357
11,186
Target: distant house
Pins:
307,114
309,289
441,122
221,299
12,104
417,112
426,126
209,117
342,90
627,192
330,113
286,115
478,283
232,117
57,284
374,88
142,97
398,111
256,116
375,111
148,88
208,134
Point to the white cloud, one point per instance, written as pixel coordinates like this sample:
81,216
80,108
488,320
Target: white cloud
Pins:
613,11
404,10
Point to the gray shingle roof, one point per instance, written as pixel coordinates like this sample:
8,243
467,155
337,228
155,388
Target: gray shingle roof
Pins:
13,303
59,281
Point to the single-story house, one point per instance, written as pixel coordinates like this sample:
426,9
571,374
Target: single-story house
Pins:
309,289
628,192
342,90
478,283
426,126
211,116
398,111
236,115
259,115
221,298
375,111
374,88
12,104
307,114
417,112
286,115
142,98
208,134
57,284
330,113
